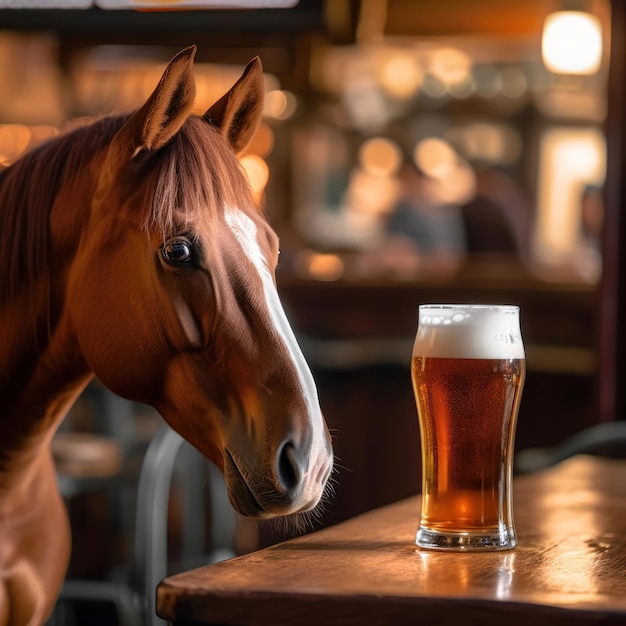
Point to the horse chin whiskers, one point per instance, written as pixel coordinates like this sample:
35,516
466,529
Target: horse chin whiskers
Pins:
302,522
295,524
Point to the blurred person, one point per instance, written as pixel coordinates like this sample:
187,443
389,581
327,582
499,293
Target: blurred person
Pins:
588,255
423,214
592,215
498,218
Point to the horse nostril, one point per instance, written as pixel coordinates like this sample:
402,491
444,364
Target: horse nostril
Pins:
288,470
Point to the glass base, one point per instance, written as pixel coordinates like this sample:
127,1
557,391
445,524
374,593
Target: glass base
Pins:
503,539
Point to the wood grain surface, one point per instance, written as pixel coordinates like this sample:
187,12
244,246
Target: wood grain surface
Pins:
569,566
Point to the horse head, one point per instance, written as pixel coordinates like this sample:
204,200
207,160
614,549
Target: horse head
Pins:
173,297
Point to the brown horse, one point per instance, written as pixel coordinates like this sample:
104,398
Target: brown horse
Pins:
132,250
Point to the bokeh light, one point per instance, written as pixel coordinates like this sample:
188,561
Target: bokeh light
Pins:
572,43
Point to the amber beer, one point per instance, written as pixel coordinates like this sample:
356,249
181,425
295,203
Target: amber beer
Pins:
468,369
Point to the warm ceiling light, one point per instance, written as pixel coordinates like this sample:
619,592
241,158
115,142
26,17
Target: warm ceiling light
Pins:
280,104
326,267
450,65
400,74
380,156
257,171
435,157
572,43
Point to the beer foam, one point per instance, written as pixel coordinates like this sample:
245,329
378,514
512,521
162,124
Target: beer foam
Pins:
469,332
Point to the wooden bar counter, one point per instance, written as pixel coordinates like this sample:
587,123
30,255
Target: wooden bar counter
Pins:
569,567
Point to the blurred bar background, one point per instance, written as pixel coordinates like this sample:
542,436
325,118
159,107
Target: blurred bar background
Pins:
411,152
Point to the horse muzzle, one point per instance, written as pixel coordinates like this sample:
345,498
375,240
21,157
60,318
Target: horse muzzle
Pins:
295,483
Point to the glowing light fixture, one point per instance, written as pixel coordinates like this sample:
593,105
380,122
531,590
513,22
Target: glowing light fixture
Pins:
257,171
380,156
326,267
435,157
400,74
450,65
14,139
572,43
280,104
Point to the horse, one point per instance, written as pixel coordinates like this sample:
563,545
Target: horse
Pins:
132,251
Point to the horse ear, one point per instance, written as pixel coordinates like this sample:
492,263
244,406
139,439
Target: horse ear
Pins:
238,112
165,111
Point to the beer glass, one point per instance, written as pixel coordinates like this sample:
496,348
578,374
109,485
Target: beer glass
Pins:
468,370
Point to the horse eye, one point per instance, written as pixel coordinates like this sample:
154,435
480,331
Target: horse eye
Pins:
177,251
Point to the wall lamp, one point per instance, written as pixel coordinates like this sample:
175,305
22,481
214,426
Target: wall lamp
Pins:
572,43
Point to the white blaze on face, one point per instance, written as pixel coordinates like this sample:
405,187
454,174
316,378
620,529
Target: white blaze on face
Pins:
245,232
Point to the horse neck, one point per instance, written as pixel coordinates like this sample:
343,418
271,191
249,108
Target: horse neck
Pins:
41,369
38,387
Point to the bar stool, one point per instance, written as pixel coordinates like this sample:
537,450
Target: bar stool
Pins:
604,439
133,593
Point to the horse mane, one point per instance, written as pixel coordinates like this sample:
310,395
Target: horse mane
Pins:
194,171
27,192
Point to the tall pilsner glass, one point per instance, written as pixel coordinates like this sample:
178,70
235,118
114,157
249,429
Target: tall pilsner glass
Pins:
468,370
